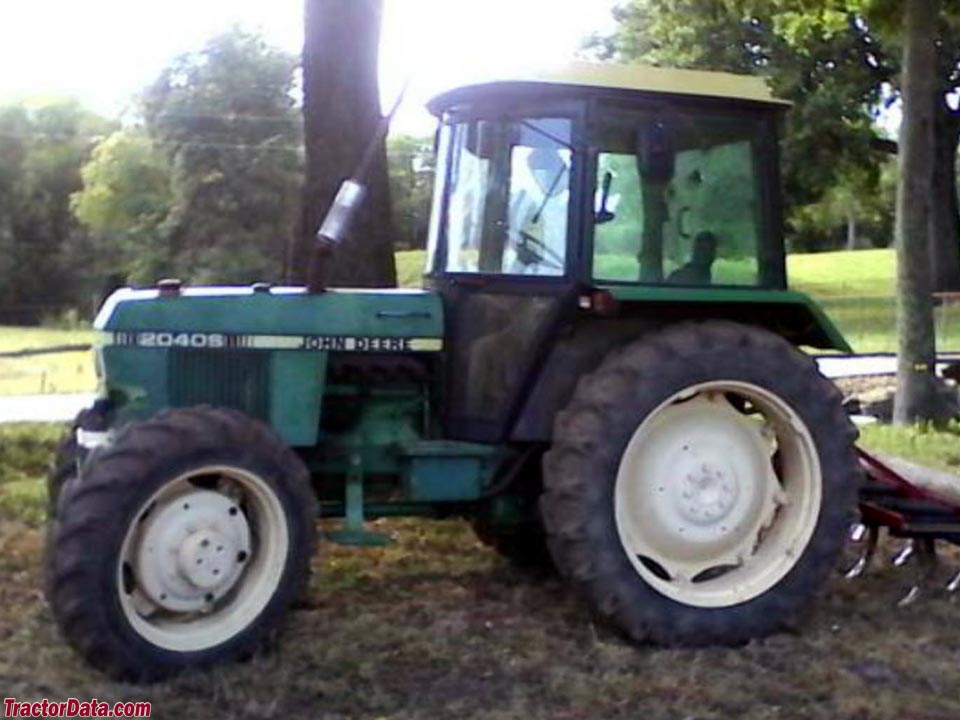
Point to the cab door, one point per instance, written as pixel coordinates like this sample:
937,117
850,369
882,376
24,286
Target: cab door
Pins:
503,262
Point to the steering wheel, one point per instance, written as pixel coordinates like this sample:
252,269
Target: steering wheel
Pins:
531,250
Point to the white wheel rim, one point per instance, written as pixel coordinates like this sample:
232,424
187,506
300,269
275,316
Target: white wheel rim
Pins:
200,562
715,505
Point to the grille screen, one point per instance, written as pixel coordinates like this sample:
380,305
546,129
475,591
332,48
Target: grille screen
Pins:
224,378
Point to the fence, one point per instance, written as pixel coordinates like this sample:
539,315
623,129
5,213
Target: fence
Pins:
41,360
869,322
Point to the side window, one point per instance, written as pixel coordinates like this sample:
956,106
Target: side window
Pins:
539,202
678,201
714,207
468,192
508,197
619,218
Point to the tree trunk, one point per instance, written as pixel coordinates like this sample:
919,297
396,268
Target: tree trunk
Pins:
851,228
945,219
341,110
916,397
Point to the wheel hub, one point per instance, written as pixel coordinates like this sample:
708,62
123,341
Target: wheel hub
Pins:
705,480
707,492
193,551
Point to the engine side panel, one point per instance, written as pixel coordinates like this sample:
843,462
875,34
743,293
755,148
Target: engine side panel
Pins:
265,353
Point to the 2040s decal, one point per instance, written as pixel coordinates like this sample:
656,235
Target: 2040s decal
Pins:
185,340
336,343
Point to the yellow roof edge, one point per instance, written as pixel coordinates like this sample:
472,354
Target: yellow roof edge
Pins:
646,78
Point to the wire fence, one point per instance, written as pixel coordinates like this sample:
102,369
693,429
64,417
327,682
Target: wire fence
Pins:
45,349
869,322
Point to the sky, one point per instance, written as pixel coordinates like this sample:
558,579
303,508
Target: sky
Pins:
103,52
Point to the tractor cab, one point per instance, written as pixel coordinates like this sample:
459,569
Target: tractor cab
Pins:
609,178
609,174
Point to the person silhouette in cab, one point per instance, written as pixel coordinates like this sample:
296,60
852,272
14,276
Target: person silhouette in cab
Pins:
698,271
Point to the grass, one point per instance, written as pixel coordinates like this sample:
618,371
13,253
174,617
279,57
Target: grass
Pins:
25,454
60,373
938,448
858,291
436,626
410,264
842,274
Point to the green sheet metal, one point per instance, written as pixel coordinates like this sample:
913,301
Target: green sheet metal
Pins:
798,310
261,352
284,311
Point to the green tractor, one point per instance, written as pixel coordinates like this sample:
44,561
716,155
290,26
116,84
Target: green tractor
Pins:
601,373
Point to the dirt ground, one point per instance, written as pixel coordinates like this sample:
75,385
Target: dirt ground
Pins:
437,626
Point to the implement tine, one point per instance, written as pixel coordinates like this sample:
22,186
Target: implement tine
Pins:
872,534
903,555
927,556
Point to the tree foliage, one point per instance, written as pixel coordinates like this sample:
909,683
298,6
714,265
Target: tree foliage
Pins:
226,121
42,248
204,188
411,166
125,199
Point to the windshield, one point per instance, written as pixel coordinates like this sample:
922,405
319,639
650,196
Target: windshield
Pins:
508,197
679,199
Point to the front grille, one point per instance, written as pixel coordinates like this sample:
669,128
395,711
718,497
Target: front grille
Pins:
223,378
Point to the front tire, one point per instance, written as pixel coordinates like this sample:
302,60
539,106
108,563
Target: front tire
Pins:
65,466
181,544
700,485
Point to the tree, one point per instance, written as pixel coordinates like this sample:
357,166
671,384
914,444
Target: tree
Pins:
41,152
225,119
410,162
857,211
916,351
125,199
341,110
945,218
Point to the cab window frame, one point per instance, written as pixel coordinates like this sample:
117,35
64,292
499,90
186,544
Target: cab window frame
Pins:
573,110
770,251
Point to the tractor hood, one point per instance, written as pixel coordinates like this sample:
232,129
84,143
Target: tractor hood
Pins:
273,319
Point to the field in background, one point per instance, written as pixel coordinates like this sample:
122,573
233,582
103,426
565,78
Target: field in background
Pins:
435,626
855,288
61,373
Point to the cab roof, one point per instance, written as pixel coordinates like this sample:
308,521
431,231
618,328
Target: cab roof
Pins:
610,76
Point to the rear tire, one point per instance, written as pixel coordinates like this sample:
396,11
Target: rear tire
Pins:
700,485
181,544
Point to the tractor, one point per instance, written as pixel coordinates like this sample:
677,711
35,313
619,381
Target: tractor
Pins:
602,373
